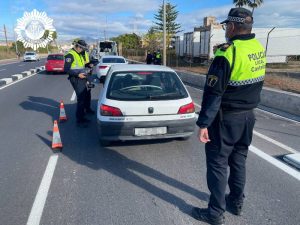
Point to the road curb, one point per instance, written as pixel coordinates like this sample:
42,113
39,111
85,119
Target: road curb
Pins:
293,159
17,77
33,71
6,81
26,73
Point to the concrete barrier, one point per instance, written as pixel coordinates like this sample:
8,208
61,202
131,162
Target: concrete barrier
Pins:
26,73
17,77
6,80
272,98
33,71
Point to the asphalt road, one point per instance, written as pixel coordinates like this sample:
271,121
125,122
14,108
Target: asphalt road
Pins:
145,182
11,68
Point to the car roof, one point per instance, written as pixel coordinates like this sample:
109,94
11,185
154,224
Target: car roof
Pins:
56,54
139,67
112,56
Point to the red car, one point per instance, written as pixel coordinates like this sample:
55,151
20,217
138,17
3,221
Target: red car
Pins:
55,63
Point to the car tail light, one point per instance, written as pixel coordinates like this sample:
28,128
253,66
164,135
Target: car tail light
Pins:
106,110
189,108
102,67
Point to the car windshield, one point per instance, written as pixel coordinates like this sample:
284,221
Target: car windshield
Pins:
55,57
29,53
113,60
145,85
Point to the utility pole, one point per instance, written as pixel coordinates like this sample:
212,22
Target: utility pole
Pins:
164,39
5,37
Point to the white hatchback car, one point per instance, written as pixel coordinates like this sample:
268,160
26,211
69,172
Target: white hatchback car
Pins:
106,62
31,56
144,102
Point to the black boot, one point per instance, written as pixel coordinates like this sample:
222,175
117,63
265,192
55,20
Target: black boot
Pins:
234,206
205,216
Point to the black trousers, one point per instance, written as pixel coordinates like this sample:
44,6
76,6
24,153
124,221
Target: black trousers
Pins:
80,89
230,135
87,102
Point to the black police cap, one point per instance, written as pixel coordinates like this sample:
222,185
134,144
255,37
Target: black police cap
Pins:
239,15
81,43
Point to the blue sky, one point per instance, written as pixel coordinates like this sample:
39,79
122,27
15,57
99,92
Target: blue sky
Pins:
75,19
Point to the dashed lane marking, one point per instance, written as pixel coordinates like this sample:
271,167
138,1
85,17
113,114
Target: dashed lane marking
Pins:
73,96
2,69
41,196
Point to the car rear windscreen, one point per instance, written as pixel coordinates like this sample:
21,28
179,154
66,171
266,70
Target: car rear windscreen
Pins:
55,57
145,85
30,53
113,60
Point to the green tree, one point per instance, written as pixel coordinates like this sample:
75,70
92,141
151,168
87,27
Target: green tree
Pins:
152,40
172,27
129,41
20,47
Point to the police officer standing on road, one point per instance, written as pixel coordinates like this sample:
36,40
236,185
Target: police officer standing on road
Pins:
158,58
89,66
75,67
226,120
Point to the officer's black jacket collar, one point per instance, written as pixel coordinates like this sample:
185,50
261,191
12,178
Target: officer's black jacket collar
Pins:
242,37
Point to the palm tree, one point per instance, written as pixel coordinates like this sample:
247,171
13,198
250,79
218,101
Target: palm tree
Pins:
240,3
253,4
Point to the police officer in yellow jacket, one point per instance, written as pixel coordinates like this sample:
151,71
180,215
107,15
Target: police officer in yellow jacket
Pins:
226,120
75,67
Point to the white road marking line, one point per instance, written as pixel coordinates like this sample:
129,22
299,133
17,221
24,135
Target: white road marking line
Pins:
276,115
2,69
41,196
22,65
275,142
283,146
275,162
17,81
73,96
9,63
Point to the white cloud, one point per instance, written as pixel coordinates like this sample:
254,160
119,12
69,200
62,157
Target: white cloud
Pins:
114,17
272,13
77,18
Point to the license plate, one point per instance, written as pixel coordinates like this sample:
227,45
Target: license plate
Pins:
57,68
150,131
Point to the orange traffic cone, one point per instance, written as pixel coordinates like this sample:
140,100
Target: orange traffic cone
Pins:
56,141
62,112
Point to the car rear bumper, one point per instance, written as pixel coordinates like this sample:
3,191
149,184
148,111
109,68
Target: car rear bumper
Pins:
54,68
120,131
